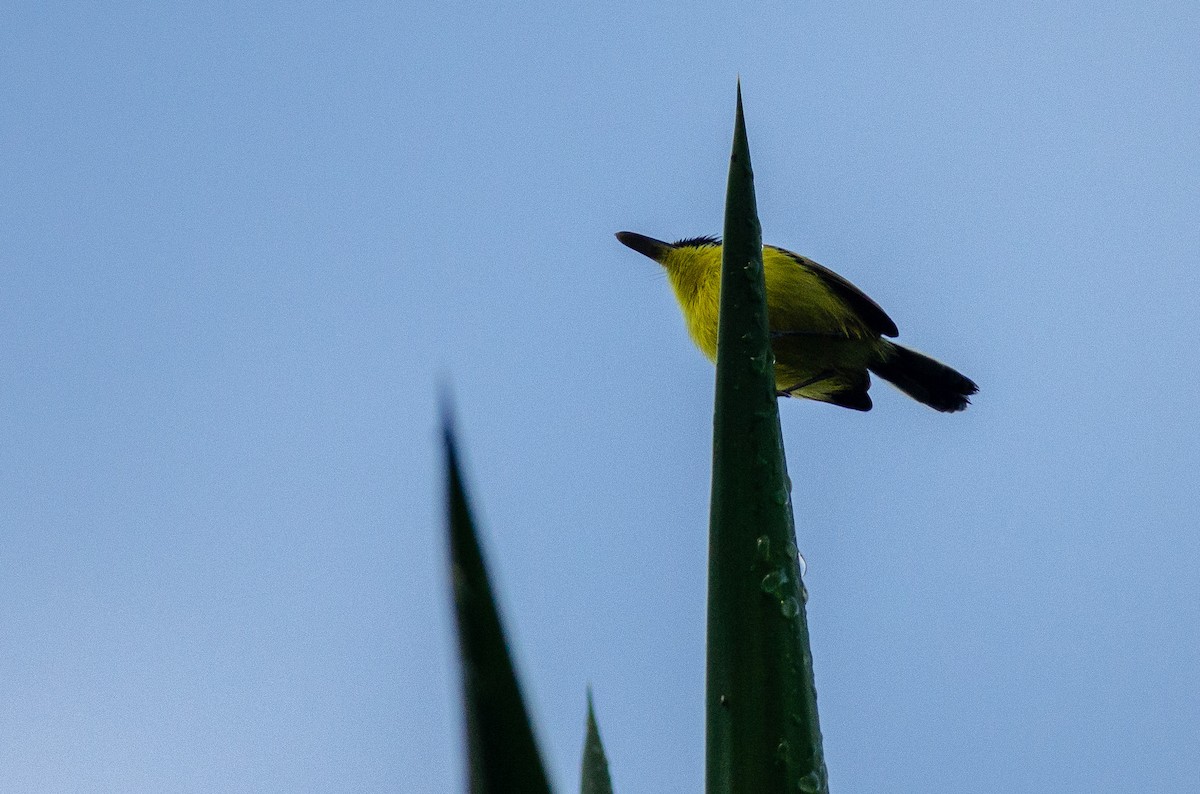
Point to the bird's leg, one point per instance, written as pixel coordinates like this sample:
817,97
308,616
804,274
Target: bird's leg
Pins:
820,376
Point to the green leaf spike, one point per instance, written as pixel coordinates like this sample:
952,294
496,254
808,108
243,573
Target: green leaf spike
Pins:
502,753
762,731
595,779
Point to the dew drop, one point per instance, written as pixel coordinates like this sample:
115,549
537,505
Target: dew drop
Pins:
763,547
810,783
772,582
789,607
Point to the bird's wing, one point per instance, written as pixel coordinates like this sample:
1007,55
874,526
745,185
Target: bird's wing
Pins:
875,317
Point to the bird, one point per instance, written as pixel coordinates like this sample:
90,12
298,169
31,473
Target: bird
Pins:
826,334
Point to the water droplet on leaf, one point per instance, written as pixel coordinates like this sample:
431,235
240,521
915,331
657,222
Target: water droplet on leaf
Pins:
810,783
772,582
763,547
789,607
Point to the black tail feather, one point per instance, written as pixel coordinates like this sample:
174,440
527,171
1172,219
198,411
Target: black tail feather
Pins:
858,400
925,379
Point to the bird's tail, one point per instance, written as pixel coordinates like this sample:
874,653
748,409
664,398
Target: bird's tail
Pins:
924,379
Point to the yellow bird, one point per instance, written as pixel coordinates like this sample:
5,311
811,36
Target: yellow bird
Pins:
825,333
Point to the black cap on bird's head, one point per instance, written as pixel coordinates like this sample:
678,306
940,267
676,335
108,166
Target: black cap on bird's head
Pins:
648,246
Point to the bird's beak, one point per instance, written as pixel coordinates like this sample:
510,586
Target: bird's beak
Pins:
648,246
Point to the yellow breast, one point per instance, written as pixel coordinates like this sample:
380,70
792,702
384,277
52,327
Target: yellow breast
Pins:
797,299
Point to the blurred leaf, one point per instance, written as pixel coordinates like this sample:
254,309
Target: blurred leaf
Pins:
762,729
595,763
503,755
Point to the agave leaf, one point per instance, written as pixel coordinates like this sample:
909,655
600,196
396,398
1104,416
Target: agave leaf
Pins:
502,753
762,730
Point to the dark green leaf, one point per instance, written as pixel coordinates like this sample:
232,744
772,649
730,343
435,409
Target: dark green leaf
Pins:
502,753
762,729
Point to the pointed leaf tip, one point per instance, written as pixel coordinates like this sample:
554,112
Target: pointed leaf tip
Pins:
446,416
595,778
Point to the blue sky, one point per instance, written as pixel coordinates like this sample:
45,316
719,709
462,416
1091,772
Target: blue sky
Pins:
242,246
